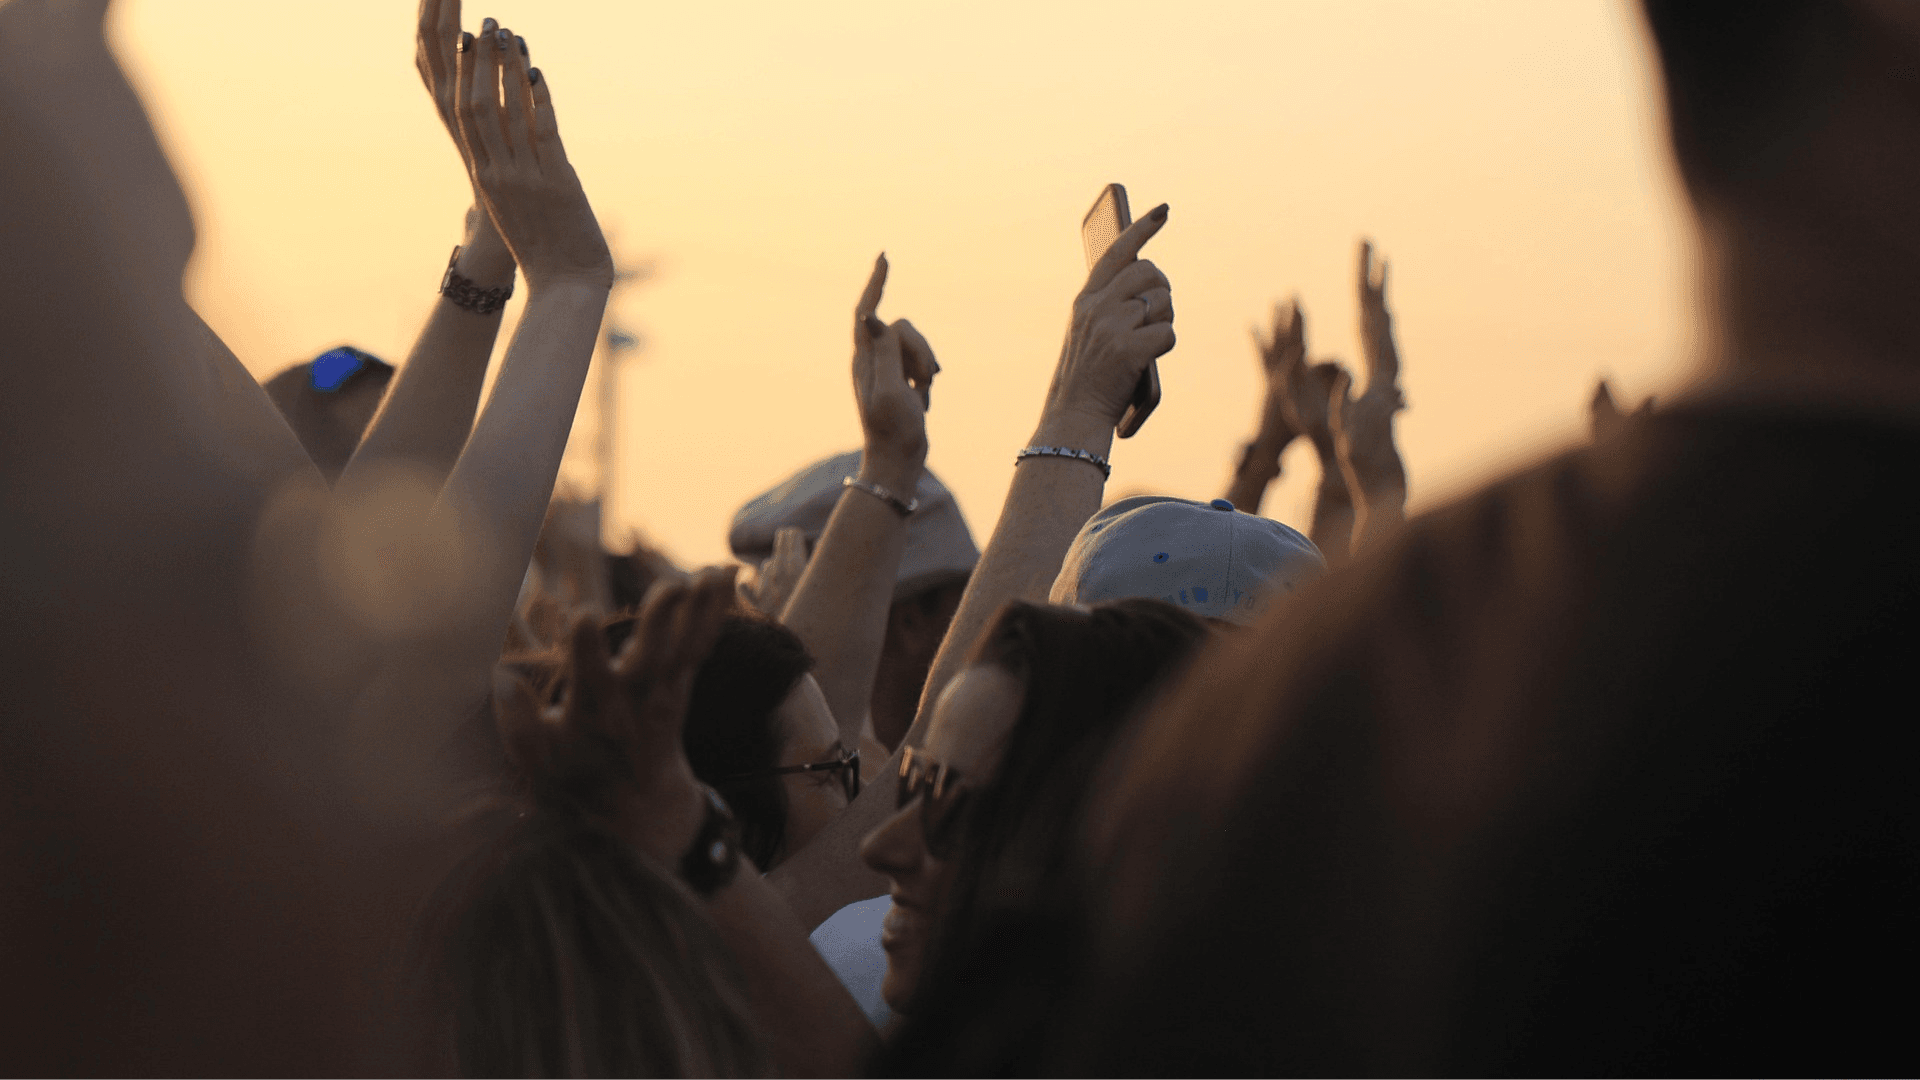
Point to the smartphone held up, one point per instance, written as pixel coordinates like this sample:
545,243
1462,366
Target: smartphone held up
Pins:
1103,225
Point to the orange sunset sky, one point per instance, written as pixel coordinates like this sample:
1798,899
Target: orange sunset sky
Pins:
1507,157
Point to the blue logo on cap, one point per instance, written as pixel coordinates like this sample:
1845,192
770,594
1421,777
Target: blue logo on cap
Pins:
1162,557
332,368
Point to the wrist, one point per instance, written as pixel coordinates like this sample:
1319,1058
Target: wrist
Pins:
1078,430
484,258
569,290
896,473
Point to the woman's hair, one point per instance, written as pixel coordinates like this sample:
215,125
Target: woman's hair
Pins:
562,949
731,728
1007,939
567,953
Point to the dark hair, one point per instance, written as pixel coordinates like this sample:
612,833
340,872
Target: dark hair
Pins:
567,953
731,728
1746,80
1007,944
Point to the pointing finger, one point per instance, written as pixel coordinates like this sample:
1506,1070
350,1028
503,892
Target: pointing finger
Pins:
870,296
1126,248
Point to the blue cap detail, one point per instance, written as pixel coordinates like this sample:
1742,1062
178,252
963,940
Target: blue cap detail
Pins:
1221,504
1162,557
334,367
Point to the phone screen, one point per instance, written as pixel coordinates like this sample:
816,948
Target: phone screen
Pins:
1103,225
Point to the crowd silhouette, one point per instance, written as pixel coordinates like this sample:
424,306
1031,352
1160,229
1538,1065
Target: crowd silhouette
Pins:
335,741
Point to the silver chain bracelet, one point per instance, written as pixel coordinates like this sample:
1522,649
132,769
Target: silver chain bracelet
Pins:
1095,460
903,507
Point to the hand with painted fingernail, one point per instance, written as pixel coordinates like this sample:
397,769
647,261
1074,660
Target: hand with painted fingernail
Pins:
512,142
1121,321
438,45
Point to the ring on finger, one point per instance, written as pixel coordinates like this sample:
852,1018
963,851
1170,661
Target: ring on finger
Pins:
1146,308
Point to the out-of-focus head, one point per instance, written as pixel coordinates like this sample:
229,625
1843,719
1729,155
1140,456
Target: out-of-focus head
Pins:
570,954
757,708
940,549
1754,87
1207,558
330,401
989,800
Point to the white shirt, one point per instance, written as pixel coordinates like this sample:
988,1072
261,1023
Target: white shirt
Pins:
849,941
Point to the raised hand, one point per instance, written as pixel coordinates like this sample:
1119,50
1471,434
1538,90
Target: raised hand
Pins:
512,146
436,56
1283,358
1122,320
1376,322
772,585
893,370
1363,427
613,746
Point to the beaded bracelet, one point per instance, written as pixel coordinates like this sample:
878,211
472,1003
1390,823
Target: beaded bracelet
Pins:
463,293
1095,460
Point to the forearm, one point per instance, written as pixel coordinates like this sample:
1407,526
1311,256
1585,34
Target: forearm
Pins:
1258,468
1380,500
428,413
1333,514
1049,500
813,1026
498,492
839,609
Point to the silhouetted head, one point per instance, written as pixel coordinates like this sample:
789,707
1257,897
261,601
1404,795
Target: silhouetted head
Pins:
1796,127
330,401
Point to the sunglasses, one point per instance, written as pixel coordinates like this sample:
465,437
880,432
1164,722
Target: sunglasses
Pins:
943,800
847,765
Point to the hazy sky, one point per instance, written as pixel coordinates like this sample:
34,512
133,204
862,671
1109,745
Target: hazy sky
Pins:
1507,157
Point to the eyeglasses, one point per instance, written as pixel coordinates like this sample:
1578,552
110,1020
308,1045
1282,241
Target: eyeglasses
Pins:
847,765
940,810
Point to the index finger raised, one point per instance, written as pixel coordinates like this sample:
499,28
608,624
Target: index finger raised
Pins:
870,296
1126,248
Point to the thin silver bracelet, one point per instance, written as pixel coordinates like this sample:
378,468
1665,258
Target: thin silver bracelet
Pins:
1095,460
903,507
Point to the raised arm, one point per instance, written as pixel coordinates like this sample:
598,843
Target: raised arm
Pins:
1281,350
428,412
1363,427
839,608
497,495
1122,319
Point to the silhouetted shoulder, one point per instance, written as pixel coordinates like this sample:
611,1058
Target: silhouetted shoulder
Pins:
1599,769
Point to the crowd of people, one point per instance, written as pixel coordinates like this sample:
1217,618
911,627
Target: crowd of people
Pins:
335,742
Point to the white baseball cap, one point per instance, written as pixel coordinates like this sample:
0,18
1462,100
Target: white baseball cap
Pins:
939,547
1209,558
